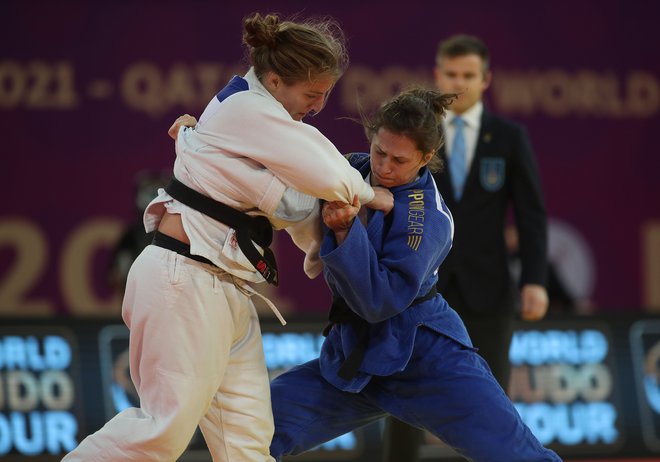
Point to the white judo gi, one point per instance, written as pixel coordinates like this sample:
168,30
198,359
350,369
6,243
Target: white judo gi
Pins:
196,355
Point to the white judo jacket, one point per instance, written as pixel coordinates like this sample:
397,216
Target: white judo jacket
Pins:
249,153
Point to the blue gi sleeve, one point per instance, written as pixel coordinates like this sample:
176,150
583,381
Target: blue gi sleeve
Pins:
382,280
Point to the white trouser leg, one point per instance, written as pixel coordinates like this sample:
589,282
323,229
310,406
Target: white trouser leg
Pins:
239,425
182,327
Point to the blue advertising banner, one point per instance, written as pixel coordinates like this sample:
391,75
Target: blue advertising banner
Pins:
587,387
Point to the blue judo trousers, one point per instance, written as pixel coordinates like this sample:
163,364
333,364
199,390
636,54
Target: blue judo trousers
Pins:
418,363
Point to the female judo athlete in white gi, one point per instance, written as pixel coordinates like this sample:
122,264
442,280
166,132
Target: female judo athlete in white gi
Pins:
196,354
394,346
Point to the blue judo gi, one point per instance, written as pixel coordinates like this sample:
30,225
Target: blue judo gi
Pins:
419,364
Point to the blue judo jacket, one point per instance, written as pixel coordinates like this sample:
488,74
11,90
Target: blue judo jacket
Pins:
379,270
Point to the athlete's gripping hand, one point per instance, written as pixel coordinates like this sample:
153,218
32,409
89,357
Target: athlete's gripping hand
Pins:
185,120
383,200
339,217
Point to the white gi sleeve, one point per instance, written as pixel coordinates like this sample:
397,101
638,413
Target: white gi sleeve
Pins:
256,127
308,235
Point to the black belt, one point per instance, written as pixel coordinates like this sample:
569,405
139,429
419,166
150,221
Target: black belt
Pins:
340,312
248,228
175,245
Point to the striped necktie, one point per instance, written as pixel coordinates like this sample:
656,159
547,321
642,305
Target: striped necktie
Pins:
457,168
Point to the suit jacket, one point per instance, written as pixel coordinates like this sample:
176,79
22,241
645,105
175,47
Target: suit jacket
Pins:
503,173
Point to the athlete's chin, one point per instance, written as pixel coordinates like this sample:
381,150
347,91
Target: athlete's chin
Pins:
384,182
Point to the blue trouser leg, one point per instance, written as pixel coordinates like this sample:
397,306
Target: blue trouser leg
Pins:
309,411
446,389
449,390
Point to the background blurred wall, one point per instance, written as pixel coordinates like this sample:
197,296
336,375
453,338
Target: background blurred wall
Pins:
88,90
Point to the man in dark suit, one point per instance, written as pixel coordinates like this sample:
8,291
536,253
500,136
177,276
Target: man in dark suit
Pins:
499,171
489,166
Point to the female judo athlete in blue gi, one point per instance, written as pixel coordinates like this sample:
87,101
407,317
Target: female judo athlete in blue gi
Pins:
394,346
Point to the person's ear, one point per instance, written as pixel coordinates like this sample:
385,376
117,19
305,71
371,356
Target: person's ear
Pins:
272,81
437,75
427,158
488,78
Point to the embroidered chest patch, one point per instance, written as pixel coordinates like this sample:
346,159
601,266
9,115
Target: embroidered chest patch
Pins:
491,173
415,218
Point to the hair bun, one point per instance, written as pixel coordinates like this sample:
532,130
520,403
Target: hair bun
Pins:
261,30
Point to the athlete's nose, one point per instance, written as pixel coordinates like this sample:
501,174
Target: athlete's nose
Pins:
318,105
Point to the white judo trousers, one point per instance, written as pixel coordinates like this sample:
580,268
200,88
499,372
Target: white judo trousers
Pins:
196,358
